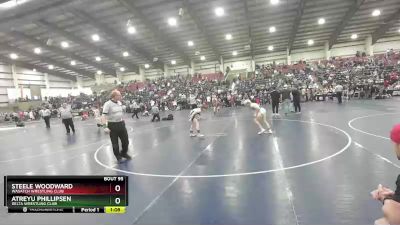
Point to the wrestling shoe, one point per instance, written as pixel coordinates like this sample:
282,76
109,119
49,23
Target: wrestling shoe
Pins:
268,131
192,135
200,135
262,131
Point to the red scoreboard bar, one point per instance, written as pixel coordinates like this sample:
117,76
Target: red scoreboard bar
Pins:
66,194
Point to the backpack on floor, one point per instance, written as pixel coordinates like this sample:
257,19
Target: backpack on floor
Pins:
20,124
169,117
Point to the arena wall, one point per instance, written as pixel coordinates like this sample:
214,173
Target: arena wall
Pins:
29,81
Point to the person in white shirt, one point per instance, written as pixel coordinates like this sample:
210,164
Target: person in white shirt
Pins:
113,117
174,104
31,116
97,116
192,101
194,117
339,90
216,104
135,108
260,117
66,116
46,116
156,113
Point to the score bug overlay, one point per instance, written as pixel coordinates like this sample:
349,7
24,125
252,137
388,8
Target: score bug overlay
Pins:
66,194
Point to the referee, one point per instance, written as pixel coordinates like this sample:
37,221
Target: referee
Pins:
66,116
112,116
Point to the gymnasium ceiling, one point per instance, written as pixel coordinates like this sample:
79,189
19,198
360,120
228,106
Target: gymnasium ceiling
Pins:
45,24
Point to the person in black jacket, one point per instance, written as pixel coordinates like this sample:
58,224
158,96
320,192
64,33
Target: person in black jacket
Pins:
390,199
275,98
296,100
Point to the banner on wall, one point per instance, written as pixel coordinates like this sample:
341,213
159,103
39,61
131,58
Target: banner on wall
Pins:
241,65
35,92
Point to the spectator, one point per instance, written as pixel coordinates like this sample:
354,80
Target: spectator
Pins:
156,113
390,199
46,113
296,100
286,100
135,108
275,98
339,91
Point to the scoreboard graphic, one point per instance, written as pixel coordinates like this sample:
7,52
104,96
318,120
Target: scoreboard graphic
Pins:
66,194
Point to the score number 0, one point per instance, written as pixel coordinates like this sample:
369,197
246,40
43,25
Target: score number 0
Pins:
117,188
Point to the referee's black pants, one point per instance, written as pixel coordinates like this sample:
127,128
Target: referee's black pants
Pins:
339,96
296,103
275,106
156,115
47,121
118,130
135,113
69,123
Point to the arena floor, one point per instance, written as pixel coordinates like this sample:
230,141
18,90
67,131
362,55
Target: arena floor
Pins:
316,168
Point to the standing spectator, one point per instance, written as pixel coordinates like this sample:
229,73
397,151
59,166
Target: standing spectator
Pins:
97,117
21,115
304,94
286,100
296,100
66,116
46,113
135,108
311,94
339,91
156,113
31,115
174,105
275,98
258,100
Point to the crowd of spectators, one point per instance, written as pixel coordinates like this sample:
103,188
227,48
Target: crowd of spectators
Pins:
80,104
361,76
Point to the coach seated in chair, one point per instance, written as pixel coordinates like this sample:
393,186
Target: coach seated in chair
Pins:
390,199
